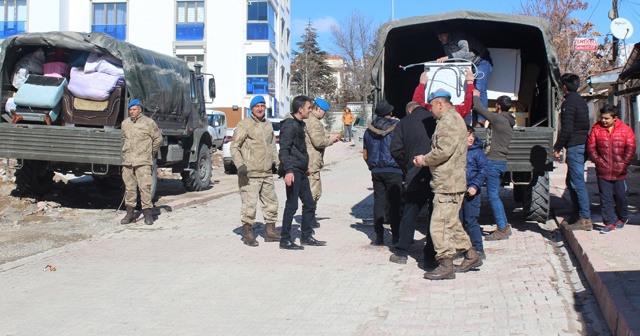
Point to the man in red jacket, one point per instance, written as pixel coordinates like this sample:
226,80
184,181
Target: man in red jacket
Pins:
611,146
463,109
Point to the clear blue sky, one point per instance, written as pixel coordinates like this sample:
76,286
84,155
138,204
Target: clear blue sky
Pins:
323,14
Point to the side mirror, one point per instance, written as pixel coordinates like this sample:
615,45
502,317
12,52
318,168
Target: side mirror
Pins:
212,88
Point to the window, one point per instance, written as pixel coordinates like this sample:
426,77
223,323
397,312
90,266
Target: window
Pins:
190,21
15,17
110,18
260,75
192,60
261,21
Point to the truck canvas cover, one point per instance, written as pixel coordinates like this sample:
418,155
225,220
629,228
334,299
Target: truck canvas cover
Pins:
414,40
160,81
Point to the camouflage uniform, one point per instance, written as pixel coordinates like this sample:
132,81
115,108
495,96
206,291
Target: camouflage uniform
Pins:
317,140
254,145
447,161
141,141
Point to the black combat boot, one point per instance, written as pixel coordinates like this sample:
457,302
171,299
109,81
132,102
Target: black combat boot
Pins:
148,216
130,217
247,235
444,271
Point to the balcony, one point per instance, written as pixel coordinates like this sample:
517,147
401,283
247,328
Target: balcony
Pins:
189,31
119,31
12,28
261,31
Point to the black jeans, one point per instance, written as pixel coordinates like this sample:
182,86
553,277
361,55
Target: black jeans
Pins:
414,201
299,189
387,188
614,203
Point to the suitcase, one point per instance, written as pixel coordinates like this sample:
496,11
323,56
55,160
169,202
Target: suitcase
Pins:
106,113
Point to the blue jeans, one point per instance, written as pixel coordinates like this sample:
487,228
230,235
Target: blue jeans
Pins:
469,214
613,201
495,171
482,83
575,181
348,133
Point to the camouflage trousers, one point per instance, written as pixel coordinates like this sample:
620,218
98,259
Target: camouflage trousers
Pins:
253,189
316,186
137,178
446,229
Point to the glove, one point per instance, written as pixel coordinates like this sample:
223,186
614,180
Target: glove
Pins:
242,170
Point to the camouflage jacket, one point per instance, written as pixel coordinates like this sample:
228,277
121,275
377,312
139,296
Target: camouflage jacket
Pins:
317,140
141,141
254,145
447,159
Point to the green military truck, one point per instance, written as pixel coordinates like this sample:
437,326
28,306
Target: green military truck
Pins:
524,67
82,137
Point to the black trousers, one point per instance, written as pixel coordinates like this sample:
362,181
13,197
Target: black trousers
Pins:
387,189
414,201
299,189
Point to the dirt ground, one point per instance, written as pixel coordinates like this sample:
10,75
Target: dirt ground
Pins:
72,211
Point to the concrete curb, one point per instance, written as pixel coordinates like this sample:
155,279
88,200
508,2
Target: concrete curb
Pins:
618,312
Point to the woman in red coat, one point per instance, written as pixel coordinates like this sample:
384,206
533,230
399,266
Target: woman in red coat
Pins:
612,146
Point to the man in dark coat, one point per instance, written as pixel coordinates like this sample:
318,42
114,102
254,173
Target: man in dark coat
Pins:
386,174
574,131
295,165
413,137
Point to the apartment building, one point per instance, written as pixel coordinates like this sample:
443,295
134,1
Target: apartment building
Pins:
244,44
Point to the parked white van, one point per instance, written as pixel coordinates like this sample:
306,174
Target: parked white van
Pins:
217,127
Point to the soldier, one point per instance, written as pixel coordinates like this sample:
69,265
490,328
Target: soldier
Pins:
141,140
254,153
447,162
317,140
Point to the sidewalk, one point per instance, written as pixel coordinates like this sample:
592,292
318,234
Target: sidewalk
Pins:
610,262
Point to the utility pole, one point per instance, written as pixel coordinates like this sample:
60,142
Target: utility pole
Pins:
613,14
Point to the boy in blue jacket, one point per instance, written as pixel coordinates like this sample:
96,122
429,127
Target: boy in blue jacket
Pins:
476,175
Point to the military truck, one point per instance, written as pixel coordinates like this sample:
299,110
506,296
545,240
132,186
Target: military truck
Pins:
83,137
531,71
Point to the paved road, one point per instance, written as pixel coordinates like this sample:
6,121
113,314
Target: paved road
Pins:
190,274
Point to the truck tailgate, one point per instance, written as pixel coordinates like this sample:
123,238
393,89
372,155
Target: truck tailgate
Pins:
60,144
531,148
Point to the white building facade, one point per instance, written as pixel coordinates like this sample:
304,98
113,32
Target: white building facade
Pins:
244,44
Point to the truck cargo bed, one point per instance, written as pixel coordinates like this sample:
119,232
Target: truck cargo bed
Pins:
61,144
531,149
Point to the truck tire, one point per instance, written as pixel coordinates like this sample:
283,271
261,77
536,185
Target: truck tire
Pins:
536,199
199,177
34,178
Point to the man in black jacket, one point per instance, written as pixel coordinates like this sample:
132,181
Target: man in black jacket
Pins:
413,137
574,131
295,163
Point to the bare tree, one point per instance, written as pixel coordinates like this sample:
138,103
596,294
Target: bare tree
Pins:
565,29
354,38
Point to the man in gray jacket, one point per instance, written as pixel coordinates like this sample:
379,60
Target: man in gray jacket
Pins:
254,153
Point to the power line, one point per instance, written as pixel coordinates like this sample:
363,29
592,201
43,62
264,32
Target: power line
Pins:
594,10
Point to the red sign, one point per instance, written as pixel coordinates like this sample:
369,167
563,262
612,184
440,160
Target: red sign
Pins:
585,43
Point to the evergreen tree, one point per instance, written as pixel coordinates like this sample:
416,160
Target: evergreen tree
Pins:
311,75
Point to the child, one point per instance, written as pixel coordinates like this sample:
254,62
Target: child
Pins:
611,146
476,174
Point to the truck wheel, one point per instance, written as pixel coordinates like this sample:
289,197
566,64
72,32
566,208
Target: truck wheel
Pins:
536,199
34,178
199,177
